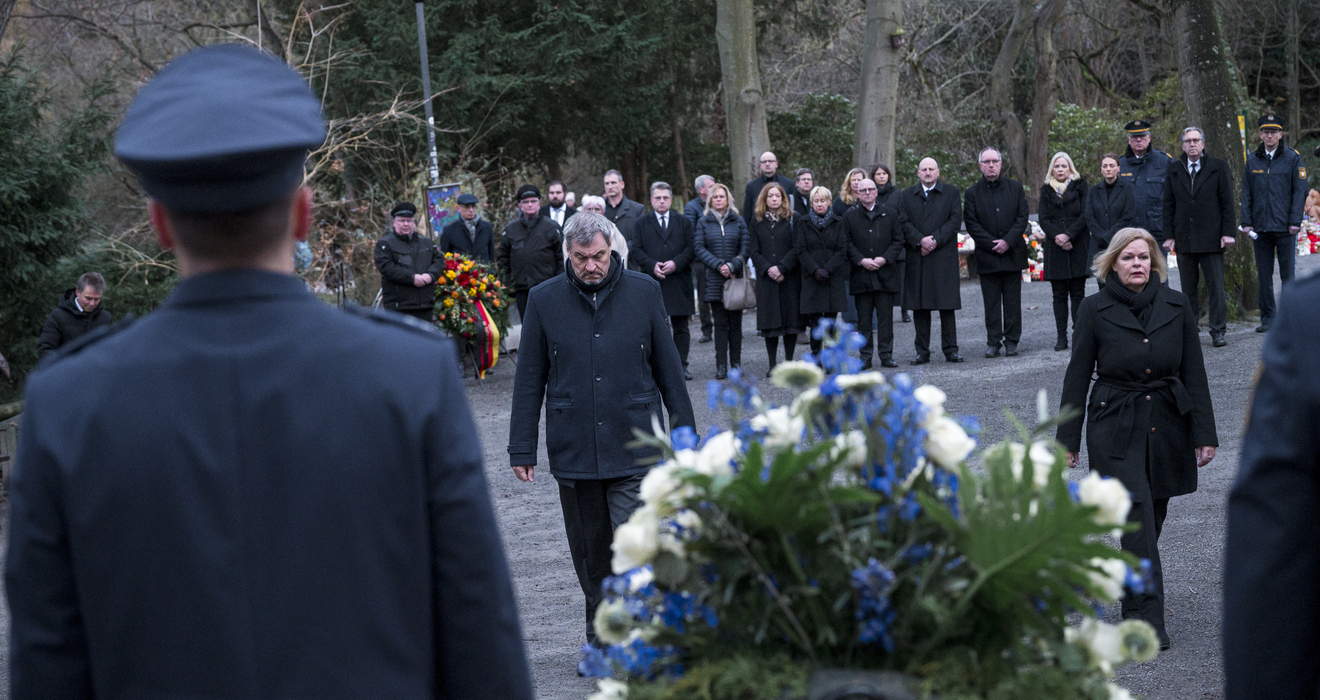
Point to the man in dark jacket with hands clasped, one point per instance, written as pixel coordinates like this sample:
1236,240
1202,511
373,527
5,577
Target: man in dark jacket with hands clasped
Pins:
409,264
995,210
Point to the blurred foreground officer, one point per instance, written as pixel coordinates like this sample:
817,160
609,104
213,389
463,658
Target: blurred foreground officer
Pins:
1272,562
241,496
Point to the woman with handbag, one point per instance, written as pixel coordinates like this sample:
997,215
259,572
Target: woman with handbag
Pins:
721,243
778,286
822,247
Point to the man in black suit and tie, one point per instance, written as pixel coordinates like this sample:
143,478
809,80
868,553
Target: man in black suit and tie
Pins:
556,208
931,215
1199,225
663,248
469,235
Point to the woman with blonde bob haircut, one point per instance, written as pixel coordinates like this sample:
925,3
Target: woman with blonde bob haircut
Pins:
1149,420
1067,241
720,242
847,197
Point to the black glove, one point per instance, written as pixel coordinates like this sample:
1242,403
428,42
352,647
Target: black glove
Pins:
822,274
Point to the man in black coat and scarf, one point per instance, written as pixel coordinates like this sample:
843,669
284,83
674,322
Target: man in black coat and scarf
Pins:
931,214
875,238
78,313
409,265
597,349
769,164
1199,224
663,248
469,235
995,209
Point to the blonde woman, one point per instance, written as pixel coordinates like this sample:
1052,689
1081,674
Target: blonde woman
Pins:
847,197
721,244
1063,219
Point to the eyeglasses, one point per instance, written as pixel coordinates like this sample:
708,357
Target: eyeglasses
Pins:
867,189
988,162
771,160
1193,140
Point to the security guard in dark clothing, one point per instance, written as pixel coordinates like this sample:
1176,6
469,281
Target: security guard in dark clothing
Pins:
1145,169
246,494
1273,199
409,265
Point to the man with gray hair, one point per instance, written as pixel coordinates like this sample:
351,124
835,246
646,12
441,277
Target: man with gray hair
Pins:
694,210
77,314
597,350
664,248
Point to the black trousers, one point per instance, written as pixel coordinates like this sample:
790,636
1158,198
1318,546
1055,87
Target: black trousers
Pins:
1267,246
1072,289
593,508
882,304
728,335
520,299
1002,293
427,315
948,332
703,307
1144,544
1190,268
682,336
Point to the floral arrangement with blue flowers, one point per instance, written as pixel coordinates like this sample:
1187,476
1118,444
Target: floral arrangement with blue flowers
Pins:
846,530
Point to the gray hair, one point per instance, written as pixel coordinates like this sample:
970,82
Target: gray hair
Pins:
1197,129
582,228
615,173
703,178
660,185
590,199
989,148
93,280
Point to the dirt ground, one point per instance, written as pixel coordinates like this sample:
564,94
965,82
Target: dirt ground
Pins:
550,600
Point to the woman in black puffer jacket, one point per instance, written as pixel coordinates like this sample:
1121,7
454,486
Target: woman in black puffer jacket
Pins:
721,242
822,245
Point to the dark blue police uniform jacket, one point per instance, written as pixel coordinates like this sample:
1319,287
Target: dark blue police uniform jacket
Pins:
249,494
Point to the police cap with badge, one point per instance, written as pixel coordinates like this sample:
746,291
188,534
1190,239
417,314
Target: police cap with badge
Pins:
1138,127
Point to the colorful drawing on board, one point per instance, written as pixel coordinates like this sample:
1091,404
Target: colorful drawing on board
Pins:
441,206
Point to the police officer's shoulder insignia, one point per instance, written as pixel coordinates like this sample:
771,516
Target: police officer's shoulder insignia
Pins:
392,318
1301,171
82,342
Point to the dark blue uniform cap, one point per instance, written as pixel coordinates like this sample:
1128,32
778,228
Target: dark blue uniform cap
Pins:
221,128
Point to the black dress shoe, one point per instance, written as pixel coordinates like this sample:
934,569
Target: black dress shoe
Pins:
686,374
721,373
866,367
992,352
1262,328
922,360
954,357
907,317
1010,350
1217,340
1062,344
888,362
705,338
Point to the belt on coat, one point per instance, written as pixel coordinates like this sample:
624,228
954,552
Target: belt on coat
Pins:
1125,410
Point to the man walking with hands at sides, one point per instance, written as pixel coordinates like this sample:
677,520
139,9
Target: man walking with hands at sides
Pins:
1273,197
931,216
995,209
186,523
581,334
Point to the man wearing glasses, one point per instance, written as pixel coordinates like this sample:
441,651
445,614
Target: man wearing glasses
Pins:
995,211
1199,222
769,169
1273,196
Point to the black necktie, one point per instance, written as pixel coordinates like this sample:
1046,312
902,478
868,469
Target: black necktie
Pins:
1195,167
664,221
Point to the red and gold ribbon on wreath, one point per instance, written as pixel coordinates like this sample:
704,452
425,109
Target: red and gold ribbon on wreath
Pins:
488,346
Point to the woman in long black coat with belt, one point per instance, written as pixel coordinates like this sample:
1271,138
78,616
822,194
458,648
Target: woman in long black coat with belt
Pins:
1063,219
1110,205
1150,422
822,245
778,286
721,243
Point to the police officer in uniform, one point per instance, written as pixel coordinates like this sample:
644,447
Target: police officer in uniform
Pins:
1145,169
409,264
246,494
1273,199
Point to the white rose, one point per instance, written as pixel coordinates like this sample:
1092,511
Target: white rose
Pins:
804,401
947,443
1109,495
689,521
932,398
610,689
1118,692
783,429
716,457
1103,640
1041,455
635,541
668,541
796,374
1110,578
640,578
658,484
850,447
860,381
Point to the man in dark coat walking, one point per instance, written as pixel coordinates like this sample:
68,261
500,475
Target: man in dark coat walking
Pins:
931,214
875,238
1273,200
469,235
78,313
693,211
409,264
596,347
1272,553
530,249
247,494
662,247
1199,222
769,165
1146,168
995,209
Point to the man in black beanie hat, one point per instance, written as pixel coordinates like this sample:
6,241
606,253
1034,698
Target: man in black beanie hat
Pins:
409,264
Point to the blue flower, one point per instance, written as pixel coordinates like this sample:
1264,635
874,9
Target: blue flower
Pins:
683,438
713,389
735,374
855,342
729,397
593,663
1075,491
874,611
710,573
1138,581
910,508
918,553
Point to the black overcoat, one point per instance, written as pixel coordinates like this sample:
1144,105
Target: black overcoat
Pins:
604,364
932,280
454,239
1272,550
1197,215
873,233
997,210
250,494
1108,209
530,251
1151,402
398,259
651,245
753,190
1065,213
822,247
720,241
777,303
625,216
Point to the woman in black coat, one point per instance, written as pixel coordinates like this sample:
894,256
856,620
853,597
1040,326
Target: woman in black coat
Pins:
822,245
847,197
1110,206
888,195
1063,219
778,286
1150,422
721,243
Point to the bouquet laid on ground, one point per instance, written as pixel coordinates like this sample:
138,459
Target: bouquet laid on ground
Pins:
472,305
846,531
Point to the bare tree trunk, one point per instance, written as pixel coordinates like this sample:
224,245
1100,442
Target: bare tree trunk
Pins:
682,186
6,6
744,103
877,105
1014,147
628,169
1047,88
1294,85
1209,90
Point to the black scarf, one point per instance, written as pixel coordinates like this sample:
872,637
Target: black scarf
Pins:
1139,302
817,219
883,191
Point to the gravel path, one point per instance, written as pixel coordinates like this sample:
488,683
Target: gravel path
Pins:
550,600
